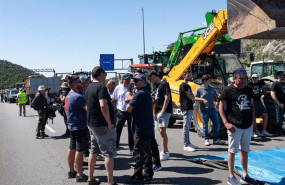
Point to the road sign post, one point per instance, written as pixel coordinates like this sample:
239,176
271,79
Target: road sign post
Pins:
107,62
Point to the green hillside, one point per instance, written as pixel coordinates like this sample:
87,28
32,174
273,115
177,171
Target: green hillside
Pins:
11,73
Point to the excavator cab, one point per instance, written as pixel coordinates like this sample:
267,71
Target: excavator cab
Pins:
256,19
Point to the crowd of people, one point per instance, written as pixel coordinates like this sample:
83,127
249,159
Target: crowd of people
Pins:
95,114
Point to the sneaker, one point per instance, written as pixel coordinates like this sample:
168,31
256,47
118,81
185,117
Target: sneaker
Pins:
265,133
38,136
219,142
249,180
164,156
254,135
188,148
207,143
71,174
95,182
233,181
258,133
156,168
82,178
134,166
193,146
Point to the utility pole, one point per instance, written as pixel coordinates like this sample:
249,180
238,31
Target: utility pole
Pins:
143,31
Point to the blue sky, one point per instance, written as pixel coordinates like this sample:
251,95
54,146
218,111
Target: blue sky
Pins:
69,35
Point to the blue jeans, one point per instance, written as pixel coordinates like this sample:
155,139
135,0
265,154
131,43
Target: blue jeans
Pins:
187,117
213,115
279,117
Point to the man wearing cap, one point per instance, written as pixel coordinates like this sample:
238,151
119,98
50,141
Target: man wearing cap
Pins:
258,91
39,104
143,126
122,114
238,120
21,100
65,90
278,95
207,97
163,109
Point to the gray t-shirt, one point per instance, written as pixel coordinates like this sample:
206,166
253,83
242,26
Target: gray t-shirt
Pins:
207,93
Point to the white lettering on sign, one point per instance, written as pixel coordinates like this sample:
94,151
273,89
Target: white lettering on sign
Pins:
208,30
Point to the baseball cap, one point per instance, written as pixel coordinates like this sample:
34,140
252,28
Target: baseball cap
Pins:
140,77
127,75
254,75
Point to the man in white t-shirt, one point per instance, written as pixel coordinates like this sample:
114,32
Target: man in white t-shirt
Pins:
123,115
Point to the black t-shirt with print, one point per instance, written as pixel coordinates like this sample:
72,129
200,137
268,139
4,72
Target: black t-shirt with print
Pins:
257,87
161,90
279,88
97,91
185,102
238,105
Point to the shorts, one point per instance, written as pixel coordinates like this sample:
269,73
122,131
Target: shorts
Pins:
259,108
103,141
239,140
79,140
163,121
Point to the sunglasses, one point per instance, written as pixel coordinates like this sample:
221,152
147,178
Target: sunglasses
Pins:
136,80
240,71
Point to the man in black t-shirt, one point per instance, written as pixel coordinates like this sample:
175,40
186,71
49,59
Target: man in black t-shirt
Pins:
278,95
258,91
238,121
163,109
100,114
186,105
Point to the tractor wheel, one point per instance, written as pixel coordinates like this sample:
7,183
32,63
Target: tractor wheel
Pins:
171,121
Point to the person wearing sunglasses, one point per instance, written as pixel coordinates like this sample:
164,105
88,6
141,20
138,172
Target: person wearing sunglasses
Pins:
238,119
278,95
123,115
207,97
143,126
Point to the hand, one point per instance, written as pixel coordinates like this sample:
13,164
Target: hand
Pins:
159,115
110,126
205,102
230,127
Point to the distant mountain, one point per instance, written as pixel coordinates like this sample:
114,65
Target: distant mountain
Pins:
11,73
269,49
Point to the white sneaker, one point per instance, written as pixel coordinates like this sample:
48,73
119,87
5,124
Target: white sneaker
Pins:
188,148
207,143
258,133
164,156
254,135
265,133
193,146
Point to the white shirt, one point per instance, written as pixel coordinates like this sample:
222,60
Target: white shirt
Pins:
119,95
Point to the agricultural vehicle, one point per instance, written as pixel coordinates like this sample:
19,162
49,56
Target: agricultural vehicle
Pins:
201,60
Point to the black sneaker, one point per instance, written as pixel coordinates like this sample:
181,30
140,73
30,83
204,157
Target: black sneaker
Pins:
38,136
71,175
248,179
45,135
94,182
82,178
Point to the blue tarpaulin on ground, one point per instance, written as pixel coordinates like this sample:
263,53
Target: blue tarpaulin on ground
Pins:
264,165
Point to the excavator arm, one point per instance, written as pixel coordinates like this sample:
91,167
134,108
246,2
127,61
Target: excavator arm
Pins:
204,44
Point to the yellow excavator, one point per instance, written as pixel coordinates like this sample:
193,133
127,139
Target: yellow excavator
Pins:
243,19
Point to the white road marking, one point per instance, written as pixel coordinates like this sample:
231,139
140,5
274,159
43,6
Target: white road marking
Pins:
50,129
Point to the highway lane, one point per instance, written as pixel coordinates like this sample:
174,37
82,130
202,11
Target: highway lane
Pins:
25,160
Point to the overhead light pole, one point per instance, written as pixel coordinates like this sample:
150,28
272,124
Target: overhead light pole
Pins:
143,31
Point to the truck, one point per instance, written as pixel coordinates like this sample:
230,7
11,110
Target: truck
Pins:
200,59
33,82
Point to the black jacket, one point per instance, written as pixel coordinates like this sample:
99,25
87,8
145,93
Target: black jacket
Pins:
40,102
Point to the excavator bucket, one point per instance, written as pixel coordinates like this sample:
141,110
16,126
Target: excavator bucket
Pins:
256,19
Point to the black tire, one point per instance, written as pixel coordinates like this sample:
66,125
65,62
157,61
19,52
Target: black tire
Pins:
171,122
